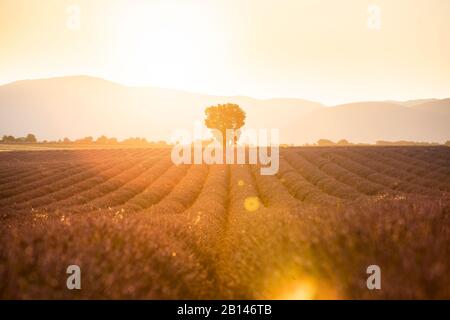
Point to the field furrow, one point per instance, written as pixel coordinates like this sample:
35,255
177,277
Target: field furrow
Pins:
141,227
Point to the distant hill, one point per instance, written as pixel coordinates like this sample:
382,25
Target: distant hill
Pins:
412,103
80,106
371,121
438,106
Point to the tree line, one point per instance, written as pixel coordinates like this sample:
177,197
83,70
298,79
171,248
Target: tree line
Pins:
221,117
102,140
344,142
29,138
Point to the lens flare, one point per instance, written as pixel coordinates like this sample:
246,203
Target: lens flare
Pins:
251,204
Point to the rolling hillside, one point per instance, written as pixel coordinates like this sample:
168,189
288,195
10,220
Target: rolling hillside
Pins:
79,106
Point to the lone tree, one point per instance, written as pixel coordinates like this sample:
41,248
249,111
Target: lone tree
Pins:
31,138
223,117
325,142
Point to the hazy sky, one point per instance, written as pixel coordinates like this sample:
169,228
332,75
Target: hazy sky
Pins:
330,51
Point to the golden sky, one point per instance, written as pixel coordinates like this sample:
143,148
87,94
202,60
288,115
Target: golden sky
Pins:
329,51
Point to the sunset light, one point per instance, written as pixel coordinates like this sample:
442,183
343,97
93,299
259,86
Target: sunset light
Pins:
317,50
235,156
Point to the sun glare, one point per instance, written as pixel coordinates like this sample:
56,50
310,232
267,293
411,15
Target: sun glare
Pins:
294,284
166,44
305,290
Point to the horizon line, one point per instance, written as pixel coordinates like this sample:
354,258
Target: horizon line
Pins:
318,101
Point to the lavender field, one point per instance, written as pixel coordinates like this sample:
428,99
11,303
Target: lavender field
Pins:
141,227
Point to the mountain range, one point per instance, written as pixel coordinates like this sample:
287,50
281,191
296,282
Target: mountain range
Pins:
79,106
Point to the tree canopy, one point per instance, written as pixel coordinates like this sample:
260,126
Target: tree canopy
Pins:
225,116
